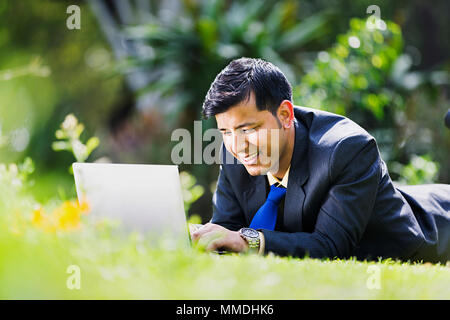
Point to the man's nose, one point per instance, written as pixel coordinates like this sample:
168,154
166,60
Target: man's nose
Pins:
239,143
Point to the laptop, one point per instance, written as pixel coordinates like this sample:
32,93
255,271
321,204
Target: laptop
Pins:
143,198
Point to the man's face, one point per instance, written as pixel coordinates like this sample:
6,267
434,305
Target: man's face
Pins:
253,137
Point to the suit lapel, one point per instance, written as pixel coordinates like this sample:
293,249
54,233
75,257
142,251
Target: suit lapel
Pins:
255,196
298,175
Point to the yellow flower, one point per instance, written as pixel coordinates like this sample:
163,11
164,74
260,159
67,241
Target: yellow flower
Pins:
84,206
41,220
38,217
67,216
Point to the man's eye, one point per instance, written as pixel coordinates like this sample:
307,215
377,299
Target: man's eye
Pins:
248,130
226,133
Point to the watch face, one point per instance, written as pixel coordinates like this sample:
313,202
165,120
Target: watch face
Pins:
251,233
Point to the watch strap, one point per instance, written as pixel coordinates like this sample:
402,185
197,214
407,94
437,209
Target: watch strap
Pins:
253,243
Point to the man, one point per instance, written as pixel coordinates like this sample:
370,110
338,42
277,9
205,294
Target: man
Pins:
319,188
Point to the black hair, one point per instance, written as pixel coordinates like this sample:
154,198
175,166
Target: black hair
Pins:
243,76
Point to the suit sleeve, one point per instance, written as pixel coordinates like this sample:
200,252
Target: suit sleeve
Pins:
354,173
227,211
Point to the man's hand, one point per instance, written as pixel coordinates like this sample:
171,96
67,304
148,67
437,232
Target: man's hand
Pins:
213,237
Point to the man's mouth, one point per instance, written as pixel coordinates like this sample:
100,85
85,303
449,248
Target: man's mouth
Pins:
251,159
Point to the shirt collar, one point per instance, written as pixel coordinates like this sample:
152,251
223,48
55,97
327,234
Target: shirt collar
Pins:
284,182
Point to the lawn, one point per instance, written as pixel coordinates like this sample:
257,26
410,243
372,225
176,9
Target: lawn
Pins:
36,266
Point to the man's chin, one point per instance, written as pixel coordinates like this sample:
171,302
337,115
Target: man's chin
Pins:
256,170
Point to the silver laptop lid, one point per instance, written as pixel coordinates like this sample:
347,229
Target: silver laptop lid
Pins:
144,198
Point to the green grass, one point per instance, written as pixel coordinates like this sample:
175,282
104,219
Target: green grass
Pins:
35,265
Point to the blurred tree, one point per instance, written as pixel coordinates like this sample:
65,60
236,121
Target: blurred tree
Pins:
367,77
78,78
352,78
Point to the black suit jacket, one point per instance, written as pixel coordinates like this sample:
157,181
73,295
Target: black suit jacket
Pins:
340,200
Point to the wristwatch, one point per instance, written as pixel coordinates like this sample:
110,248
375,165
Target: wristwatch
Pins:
251,236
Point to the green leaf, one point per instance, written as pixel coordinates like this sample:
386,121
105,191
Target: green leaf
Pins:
61,145
79,130
91,144
61,134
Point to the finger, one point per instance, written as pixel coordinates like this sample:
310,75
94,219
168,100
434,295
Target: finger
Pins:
215,244
201,231
194,227
204,239
208,237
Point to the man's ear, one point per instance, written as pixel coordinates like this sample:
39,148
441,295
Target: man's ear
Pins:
285,113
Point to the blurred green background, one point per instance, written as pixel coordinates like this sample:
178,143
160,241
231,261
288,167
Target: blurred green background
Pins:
137,70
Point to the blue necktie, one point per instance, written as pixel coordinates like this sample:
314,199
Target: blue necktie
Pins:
266,216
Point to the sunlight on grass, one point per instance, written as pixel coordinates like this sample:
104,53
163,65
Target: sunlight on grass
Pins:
114,268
